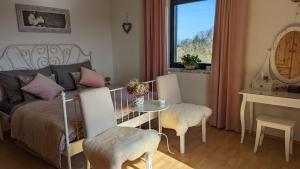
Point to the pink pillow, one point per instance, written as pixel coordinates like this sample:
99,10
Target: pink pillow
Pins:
91,79
43,87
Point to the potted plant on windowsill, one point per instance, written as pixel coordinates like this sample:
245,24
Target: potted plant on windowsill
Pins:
190,62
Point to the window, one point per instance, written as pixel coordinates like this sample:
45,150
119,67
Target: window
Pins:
192,25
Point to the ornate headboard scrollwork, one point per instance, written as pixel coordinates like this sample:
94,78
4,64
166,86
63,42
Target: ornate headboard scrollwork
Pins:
36,56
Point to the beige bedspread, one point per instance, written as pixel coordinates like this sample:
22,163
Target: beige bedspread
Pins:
40,126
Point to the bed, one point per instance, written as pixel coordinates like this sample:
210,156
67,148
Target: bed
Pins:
42,125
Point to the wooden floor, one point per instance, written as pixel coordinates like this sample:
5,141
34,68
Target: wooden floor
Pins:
222,151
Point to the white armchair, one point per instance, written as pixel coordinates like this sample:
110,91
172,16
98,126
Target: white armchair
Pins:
106,145
180,116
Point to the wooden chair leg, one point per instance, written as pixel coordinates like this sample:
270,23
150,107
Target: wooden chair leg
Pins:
87,164
182,144
287,144
262,136
148,160
292,141
258,132
204,130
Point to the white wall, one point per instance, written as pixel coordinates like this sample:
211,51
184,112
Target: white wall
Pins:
266,19
90,23
127,48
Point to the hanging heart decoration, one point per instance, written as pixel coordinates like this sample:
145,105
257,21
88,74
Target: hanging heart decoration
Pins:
127,26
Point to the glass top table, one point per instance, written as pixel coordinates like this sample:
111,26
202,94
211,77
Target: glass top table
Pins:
282,94
153,106
276,98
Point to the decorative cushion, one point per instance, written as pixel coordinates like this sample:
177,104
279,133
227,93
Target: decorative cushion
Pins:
91,78
6,107
43,87
76,76
113,147
184,115
11,85
62,73
3,96
24,80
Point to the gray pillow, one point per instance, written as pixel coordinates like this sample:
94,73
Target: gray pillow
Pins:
7,107
76,76
24,80
3,96
62,73
11,85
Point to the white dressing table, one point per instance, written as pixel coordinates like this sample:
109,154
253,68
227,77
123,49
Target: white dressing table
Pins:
278,98
281,68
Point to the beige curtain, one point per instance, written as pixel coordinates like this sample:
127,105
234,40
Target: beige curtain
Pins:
228,63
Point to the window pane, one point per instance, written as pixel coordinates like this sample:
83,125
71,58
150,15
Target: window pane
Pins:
194,29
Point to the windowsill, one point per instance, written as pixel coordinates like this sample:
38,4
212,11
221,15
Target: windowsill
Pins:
174,70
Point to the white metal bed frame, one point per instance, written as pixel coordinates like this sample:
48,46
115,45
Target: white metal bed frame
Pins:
36,56
75,147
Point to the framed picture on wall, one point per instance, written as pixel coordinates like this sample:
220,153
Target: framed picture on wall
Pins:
42,19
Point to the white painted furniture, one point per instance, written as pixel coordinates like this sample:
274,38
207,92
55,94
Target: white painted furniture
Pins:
286,125
150,107
36,56
180,116
75,147
252,96
106,145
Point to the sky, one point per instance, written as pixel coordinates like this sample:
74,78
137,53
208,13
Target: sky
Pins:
195,17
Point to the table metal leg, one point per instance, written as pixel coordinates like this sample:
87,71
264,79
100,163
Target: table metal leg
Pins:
159,124
140,120
162,134
242,116
149,115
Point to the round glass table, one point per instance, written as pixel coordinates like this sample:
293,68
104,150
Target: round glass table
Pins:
153,106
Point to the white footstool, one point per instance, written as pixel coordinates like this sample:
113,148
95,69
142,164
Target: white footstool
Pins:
277,123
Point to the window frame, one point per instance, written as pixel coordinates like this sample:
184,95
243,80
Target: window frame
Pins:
173,35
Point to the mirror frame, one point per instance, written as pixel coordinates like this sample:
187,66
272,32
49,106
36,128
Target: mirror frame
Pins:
273,54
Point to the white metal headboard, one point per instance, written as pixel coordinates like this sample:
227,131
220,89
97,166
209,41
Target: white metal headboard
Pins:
36,56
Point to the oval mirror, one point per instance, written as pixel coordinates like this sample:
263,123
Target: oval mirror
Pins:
285,55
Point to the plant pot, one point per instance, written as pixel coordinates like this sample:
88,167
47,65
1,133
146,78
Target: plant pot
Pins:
138,101
190,67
